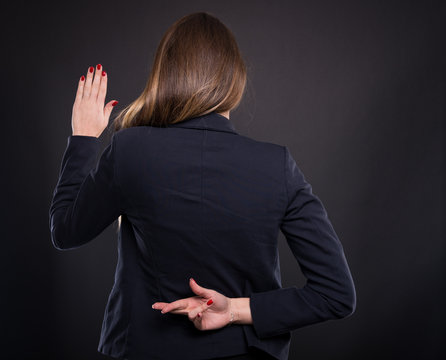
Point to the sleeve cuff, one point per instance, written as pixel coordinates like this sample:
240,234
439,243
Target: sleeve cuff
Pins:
80,154
82,138
83,143
264,311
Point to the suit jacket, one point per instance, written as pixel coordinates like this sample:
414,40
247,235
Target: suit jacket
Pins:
199,200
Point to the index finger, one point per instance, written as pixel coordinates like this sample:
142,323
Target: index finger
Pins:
102,88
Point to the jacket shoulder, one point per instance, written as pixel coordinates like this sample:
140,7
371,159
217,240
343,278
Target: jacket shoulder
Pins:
263,147
129,133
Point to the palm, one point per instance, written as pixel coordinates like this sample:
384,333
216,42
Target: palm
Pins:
212,320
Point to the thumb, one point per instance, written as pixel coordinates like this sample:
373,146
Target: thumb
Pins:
108,108
199,290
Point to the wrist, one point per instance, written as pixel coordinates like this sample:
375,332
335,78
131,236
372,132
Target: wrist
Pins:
83,134
231,312
241,311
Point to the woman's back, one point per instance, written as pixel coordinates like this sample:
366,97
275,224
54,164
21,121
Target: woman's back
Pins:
201,201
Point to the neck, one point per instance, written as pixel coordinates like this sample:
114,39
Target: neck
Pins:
225,114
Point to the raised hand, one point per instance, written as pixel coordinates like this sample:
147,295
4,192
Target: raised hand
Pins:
90,117
208,310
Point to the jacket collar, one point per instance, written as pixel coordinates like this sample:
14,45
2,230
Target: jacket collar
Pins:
211,121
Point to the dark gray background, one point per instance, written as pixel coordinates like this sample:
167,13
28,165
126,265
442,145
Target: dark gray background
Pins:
355,89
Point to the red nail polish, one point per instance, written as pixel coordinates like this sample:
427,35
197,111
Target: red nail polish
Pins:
114,103
210,302
103,73
82,78
198,315
91,68
98,66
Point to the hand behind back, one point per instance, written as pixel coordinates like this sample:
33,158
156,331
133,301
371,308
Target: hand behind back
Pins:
208,310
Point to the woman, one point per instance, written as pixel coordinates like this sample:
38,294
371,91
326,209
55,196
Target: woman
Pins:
199,209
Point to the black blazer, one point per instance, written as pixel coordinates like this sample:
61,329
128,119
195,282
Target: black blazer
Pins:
199,200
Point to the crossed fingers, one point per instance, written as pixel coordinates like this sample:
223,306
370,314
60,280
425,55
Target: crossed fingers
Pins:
192,307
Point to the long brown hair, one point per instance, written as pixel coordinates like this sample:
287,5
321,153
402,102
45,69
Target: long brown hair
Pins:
197,69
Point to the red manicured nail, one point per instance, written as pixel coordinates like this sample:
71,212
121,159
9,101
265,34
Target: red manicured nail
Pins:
103,73
91,68
82,78
209,302
98,66
114,103
198,315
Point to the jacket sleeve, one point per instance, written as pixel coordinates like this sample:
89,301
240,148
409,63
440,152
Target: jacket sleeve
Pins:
329,292
87,197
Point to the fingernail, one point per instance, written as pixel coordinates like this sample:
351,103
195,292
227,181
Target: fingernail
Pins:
114,103
91,68
103,73
82,78
192,279
153,306
198,315
209,302
98,66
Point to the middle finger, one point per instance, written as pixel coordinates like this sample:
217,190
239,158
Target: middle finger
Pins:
176,305
199,309
96,81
